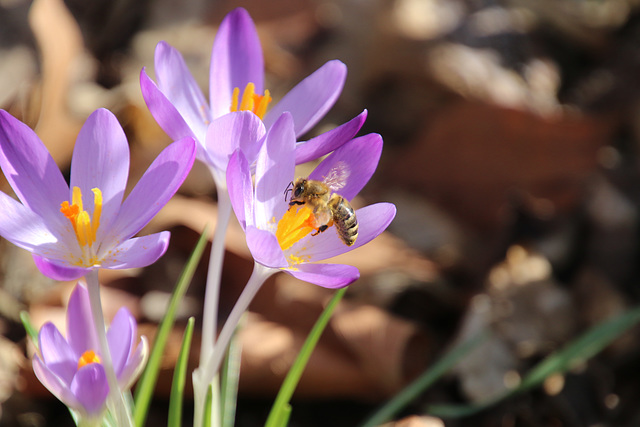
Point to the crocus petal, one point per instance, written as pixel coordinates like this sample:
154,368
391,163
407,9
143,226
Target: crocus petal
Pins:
135,365
242,130
360,157
31,171
91,388
240,188
121,338
274,170
177,83
81,331
236,59
55,271
23,227
59,357
372,220
166,114
101,160
158,184
331,276
265,248
310,99
138,252
54,384
329,141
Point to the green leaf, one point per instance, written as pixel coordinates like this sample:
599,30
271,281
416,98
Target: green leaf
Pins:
584,347
423,382
180,377
144,391
285,414
28,326
206,420
281,409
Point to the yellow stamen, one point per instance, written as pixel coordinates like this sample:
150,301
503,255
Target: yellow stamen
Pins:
97,210
246,104
250,101
76,198
234,99
83,224
87,358
261,104
83,229
294,225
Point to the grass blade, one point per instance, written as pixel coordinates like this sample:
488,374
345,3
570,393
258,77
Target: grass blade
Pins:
424,381
279,415
28,326
180,377
582,348
144,390
206,421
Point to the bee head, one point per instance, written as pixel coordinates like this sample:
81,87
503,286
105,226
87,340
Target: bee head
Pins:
297,190
299,187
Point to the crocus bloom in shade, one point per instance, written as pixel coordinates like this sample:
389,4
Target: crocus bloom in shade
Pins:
237,84
70,231
281,236
71,368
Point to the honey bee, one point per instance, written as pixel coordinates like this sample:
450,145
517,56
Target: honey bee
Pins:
329,208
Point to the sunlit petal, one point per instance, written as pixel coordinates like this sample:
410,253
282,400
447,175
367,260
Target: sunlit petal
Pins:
236,59
101,160
138,252
331,276
176,82
31,171
81,331
274,171
310,99
360,157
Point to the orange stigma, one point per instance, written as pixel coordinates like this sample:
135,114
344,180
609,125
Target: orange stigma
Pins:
87,358
250,101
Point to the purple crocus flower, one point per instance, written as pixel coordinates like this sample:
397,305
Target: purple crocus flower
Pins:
72,231
236,85
284,237
71,368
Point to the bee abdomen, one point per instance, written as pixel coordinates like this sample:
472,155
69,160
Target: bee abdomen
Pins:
344,219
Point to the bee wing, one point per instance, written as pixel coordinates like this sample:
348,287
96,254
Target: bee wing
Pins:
337,176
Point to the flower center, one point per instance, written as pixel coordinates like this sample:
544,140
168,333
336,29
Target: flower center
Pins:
84,226
296,223
87,358
250,101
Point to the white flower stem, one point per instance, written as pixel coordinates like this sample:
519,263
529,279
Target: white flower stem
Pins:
115,394
210,310
212,290
205,374
258,276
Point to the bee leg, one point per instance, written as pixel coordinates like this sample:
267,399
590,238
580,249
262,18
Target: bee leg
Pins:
320,230
296,202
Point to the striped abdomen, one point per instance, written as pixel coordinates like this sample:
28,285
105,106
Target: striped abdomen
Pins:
344,219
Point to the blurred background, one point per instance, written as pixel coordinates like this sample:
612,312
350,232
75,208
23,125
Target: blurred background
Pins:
512,132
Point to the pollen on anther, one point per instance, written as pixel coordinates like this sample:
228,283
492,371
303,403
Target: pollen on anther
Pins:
295,224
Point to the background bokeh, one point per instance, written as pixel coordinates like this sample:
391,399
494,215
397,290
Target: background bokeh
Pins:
512,131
